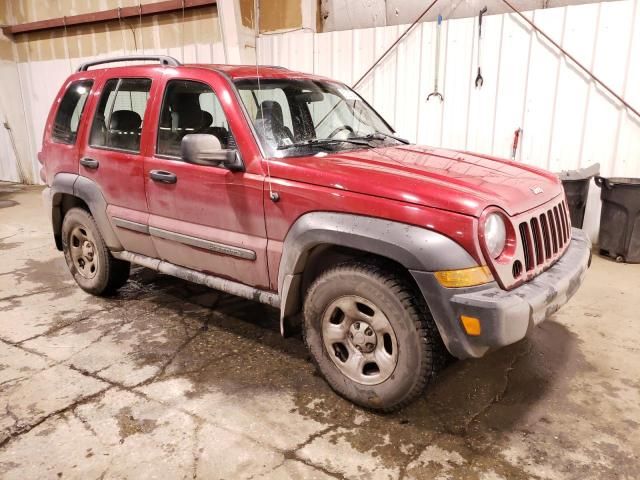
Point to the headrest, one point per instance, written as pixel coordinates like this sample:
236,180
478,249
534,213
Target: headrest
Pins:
192,119
181,102
125,120
272,110
207,119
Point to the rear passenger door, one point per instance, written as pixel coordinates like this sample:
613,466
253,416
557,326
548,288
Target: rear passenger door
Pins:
112,158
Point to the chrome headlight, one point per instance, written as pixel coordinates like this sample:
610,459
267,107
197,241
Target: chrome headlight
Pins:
495,234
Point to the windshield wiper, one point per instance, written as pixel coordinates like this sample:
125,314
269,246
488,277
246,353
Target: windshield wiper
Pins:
382,136
321,142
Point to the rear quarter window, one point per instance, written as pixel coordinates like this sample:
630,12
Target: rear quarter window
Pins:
67,120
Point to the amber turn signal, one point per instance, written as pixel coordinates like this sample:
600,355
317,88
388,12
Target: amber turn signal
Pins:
468,277
471,325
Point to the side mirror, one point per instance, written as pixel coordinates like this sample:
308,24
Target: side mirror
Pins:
205,149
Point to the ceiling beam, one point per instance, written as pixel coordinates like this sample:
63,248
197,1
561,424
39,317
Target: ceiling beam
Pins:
156,8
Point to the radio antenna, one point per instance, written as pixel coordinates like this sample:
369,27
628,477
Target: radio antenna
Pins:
272,195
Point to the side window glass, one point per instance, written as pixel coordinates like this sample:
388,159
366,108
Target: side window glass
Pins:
190,107
67,121
118,120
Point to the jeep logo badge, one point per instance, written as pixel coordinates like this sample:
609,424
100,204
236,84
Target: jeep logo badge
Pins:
536,190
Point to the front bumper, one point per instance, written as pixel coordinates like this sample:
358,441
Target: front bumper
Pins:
505,316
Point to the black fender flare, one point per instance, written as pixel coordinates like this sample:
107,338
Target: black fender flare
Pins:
89,192
413,247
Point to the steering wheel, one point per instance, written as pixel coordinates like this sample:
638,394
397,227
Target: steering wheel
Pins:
339,129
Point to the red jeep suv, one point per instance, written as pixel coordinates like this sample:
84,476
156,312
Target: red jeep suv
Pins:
289,189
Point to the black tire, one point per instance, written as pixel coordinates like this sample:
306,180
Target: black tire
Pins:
420,352
109,273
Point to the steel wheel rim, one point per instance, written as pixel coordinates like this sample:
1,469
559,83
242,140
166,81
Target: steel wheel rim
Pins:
359,339
82,249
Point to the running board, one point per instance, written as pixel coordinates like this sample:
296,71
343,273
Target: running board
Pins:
222,284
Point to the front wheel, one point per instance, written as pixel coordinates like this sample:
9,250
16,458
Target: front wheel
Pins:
371,335
93,267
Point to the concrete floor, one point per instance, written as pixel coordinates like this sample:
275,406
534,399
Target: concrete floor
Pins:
173,380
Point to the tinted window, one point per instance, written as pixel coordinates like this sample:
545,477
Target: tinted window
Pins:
190,107
65,126
118,120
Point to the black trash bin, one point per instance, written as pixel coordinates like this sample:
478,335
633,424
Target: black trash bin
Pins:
620,218
576,188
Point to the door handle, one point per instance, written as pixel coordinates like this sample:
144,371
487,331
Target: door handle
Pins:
90,163
163,176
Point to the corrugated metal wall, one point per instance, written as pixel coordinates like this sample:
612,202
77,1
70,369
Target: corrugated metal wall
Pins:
567,121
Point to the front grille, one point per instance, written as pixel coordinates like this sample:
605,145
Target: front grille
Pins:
544,236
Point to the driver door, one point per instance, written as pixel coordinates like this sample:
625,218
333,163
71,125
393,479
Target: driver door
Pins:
202,217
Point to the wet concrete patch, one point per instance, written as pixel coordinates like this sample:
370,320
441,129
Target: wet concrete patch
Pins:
129,425
6,245
7,191
7,203
39,275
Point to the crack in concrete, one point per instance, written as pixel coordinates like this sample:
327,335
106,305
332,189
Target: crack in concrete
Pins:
326,471
501,394
292,454
155,377
313,436
24,349
20,430
17,379
194,451
60,362
13,416
57,328
288,454
87,373
85,424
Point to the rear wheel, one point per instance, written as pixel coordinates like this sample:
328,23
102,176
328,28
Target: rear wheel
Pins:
371,336
93,267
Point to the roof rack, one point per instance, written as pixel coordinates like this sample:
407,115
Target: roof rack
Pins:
163,59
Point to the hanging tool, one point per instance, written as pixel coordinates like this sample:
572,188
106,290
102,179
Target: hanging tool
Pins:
516,139
479,79
435,92
394,44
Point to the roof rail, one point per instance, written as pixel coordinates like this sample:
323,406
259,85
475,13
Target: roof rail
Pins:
163,59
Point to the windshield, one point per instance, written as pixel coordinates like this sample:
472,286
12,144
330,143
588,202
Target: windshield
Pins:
295,117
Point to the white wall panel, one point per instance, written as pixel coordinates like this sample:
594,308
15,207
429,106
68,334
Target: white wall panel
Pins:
568,121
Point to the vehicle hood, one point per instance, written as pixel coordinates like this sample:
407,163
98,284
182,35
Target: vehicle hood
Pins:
453,180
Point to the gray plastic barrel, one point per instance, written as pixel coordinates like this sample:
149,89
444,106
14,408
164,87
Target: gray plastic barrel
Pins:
576,188
620,218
